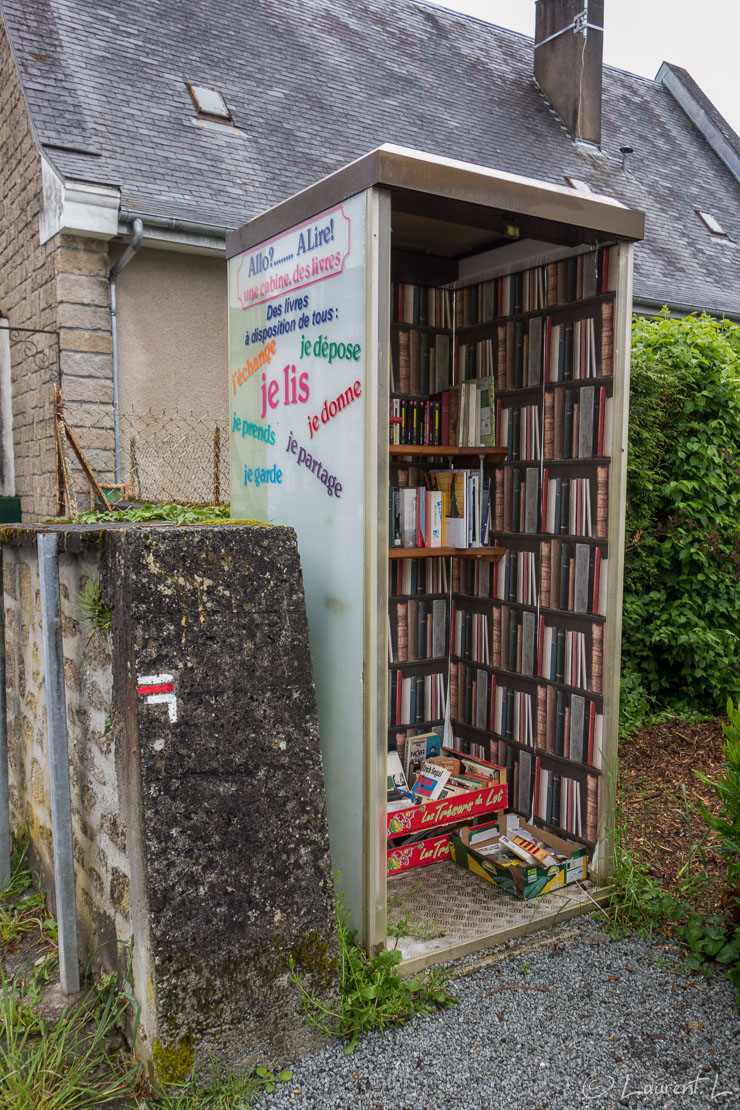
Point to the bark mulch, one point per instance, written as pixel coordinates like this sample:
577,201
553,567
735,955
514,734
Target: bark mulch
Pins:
660,799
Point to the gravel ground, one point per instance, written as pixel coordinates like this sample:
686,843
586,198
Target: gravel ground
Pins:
571,1019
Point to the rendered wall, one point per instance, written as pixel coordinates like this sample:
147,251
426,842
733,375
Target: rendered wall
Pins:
197,792
173,340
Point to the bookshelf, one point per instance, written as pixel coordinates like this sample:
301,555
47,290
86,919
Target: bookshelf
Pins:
450,320
526,636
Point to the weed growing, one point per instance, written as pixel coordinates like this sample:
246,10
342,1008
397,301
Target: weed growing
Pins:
23,908
405,924
150,513
223,1091
92,607
74,1063
373,995
80,1060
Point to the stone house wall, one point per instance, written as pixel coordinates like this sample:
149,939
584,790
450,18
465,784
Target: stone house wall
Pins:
58,286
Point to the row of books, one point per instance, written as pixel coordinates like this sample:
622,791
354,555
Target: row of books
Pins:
481,700
514,646
539,287
519,764
414,699
408,577
517,354
513,355
455,512
577,423
566,656
425,305
562,723
513,578
519,645
573,352
560,506
470,635
420,362
569,725
567,504
573,577
417,629
459,417
416,517
518,430
559,801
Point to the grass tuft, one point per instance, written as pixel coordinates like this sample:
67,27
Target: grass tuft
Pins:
373,995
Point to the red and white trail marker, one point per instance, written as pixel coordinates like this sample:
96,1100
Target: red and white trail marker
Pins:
159,688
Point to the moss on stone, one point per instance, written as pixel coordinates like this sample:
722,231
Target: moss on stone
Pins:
173,1062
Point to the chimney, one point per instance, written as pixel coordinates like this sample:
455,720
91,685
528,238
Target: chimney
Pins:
568,48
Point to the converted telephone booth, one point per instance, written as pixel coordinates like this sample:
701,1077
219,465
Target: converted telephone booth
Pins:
360,311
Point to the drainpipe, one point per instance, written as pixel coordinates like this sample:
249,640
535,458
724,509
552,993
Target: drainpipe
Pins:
125,258
56,727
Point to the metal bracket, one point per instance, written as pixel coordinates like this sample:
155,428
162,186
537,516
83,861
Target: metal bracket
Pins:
579,26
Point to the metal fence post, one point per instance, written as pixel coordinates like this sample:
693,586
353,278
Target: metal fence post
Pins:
56,724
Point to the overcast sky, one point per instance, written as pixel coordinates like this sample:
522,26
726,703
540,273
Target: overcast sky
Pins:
703,36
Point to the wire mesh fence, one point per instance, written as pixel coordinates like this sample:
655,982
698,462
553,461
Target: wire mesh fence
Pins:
165,456
175,457
63,440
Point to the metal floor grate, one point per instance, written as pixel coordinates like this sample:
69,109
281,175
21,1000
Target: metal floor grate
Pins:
444,906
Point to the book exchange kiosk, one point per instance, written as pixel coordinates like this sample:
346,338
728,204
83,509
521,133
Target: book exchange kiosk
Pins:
428,381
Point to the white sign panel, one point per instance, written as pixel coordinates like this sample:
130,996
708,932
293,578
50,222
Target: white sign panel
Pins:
297,399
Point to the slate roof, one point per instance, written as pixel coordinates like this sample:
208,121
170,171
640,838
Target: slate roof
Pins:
313,84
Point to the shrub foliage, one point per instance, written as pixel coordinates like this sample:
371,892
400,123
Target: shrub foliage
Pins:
681,643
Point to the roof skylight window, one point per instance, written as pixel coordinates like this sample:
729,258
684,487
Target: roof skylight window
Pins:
711,223
209,103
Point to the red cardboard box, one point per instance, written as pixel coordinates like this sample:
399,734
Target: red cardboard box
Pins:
424,852
447,811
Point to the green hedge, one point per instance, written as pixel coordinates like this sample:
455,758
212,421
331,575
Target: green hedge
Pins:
681,644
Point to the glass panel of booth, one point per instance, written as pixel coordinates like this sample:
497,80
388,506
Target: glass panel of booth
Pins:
297,379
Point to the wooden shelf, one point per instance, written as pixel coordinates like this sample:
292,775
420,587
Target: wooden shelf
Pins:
492,454
490,554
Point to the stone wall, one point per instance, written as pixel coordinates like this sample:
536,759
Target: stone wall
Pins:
83,311
60,287
102,869
199,816
27,296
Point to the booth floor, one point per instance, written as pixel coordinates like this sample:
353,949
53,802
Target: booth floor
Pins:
449,912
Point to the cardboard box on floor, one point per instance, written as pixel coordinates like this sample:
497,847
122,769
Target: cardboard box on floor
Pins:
522,880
